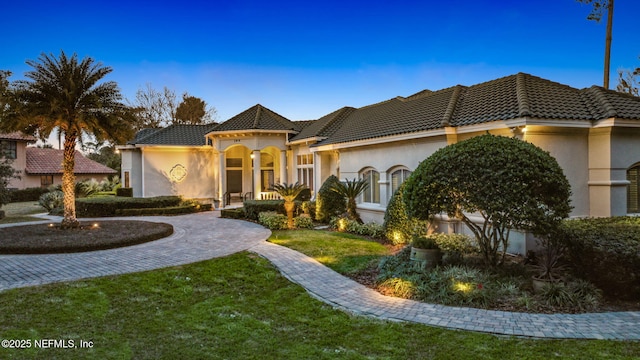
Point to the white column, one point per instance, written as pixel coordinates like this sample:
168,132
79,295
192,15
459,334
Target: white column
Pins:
283,167
256,175
222,176
317,172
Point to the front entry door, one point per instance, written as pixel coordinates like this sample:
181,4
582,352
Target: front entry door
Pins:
234,181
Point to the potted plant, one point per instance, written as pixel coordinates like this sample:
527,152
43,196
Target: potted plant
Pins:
547,265
425,249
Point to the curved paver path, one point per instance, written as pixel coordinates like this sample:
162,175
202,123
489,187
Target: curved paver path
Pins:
196,237
339,291
204,236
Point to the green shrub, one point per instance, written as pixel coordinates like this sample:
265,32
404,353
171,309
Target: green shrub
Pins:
272,220
303,222
606,252
108,206
305,195
454,242
328,202
172,210
51,200
237,213
344,224
28,194
512,185
124,192
398,226
253,208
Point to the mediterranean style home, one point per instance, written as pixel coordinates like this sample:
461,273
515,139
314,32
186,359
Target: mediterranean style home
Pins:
593,133
43,167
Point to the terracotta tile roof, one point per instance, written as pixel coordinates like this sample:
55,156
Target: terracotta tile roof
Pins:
511,97
18,136
177,134
325,126
49,161
258,117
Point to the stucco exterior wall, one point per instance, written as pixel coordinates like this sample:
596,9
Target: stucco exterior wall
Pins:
178,171
132,162
570,147
19,164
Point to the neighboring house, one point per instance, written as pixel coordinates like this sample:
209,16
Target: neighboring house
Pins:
594,134
43,167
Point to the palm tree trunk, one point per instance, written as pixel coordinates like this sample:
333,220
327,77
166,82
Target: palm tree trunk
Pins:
607,46
289,206
69,181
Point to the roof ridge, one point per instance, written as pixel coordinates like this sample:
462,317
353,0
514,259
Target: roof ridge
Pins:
598,93
522,95
451,107
343,112
256,120
281,119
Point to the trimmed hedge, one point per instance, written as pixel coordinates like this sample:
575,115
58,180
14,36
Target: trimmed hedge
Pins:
108,206
237,213
273,220
173,210
606,252
28,194
253,208
124,192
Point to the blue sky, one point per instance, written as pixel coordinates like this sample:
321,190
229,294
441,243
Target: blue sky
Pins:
306,59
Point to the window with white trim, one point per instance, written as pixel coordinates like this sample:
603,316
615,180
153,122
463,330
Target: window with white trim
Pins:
372,193
397,178
304,163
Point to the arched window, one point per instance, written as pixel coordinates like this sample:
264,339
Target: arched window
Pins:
398,176
633,192
372,194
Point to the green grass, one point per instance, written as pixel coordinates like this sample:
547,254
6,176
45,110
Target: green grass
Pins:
342,252
240,307
19,212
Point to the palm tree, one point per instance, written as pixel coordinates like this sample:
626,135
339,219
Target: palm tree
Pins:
289,192
350,190
62,94
599,7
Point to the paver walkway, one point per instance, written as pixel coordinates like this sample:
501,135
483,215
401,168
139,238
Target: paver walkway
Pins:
204,236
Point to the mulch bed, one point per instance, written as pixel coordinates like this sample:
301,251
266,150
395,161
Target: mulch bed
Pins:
91,236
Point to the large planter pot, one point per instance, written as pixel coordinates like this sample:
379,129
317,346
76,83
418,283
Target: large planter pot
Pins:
540,283
430,257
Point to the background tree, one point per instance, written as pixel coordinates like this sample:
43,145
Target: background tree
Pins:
599,7
64,93
629,81
509,183
350,190
4,92
154,108
6,174
193,110
105,154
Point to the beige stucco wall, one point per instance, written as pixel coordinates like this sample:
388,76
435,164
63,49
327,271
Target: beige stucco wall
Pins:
158,163
19,164
570,147
132,162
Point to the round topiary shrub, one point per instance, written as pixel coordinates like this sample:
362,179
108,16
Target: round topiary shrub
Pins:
328,202
510,183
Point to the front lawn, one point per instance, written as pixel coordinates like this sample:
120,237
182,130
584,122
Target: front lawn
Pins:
342,252
240,307
21,211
